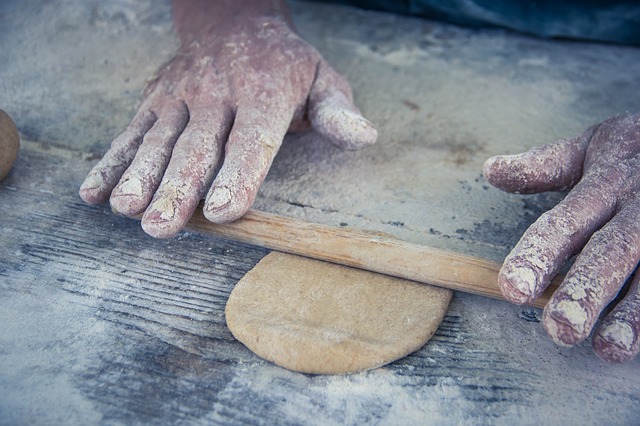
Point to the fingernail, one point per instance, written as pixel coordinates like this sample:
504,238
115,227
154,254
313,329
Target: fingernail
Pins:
518,284
91,191
93,181
616,342
618,333
158,222
127,197
219,198
566,322
130,187
162,209
369,134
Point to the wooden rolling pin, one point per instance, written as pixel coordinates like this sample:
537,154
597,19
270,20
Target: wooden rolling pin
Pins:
364,250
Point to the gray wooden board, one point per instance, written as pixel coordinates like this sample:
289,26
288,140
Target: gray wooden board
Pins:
100,323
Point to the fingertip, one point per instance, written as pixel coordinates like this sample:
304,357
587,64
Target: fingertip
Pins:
365,133
489,168
559,333
92,190
166,215
517,284
333,113
616,342
504,172
345,127
223,205
89,196
566,322
126,205
156,225
127,197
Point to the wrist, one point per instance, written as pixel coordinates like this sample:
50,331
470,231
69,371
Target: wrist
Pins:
199,20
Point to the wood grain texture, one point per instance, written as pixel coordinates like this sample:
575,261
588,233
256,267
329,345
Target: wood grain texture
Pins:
101,324
364,250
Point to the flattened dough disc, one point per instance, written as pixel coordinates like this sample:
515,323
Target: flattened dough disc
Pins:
316,317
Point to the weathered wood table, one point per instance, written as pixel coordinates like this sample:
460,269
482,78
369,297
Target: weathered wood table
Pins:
102,324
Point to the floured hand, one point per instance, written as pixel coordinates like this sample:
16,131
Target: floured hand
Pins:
599,218
214,117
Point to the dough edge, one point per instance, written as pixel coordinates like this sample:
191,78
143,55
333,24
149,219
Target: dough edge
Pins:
317,349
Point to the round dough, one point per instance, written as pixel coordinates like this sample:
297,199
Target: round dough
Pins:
317,317
9,143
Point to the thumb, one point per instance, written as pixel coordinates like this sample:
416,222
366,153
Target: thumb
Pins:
333,114
552,167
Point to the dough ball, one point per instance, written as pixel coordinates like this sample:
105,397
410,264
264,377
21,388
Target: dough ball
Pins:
9,143
317,317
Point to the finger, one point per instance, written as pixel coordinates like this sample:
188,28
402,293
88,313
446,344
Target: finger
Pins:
136,187
554,237
189,172
595,278
98,184
552,167
616,340
254,141
333,114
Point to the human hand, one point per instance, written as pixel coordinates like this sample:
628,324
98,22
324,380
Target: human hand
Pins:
600,218
220,109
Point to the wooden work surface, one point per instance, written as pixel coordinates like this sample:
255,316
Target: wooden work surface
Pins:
102,324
